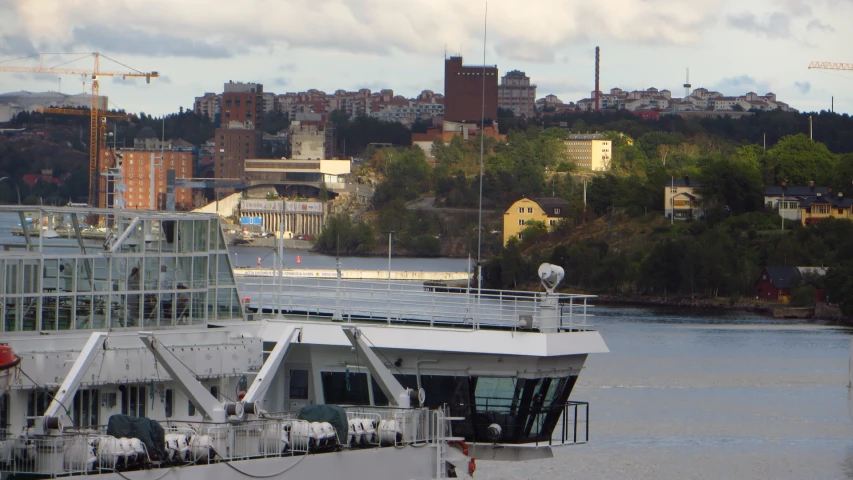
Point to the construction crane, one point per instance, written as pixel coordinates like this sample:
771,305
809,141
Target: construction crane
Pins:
94,109
102,116
831,66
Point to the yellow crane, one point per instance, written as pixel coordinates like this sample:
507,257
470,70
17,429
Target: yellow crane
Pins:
831,66
94,109
102,116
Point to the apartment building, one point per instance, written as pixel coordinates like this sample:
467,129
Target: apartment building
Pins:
517,94
207,105
244,103
234,144
589,151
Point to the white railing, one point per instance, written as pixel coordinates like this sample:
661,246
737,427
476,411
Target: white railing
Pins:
397,302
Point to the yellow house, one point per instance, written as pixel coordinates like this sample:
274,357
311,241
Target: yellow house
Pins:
817,208
546,210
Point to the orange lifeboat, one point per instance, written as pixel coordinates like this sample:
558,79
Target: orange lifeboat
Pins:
8,359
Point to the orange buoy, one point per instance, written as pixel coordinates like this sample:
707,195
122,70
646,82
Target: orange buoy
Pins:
298,259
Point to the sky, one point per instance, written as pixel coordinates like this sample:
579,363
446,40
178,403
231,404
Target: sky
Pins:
293,45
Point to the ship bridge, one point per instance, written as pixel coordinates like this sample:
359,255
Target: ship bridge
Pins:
141,269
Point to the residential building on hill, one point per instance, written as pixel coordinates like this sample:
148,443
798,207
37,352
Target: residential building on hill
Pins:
464,97
517,94
700,100
785,199
207,105
589,151
549,211
682,200
820,207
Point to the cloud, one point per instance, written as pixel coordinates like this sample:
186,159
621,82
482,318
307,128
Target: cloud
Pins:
777,24
281,81
803,87
16,45
364,27
741,84
816,24
130,40
287,67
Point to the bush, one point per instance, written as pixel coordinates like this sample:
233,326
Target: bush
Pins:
803,296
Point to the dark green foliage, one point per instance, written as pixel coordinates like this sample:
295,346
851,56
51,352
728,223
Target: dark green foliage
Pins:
342,235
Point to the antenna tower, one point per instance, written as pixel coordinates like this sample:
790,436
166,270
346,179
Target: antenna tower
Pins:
687,85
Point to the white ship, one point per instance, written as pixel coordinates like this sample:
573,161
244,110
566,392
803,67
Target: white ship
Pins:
134,358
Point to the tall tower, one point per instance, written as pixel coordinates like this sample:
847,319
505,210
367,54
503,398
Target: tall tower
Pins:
687,85
597,86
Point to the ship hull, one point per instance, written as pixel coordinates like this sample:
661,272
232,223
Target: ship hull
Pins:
377,463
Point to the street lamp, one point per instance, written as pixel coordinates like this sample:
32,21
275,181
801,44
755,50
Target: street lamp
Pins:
16,187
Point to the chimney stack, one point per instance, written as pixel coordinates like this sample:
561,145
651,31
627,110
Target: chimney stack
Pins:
597,86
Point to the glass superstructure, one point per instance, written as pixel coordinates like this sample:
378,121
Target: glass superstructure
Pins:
140,270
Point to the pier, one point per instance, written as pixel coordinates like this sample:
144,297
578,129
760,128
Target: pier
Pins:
352,274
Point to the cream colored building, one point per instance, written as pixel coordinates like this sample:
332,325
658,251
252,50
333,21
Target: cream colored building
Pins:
546,210
682,199
590,151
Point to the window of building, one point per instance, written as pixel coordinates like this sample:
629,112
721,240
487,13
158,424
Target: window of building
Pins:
820,209
520,209
553,222
190,409
556,211
521,221
529,209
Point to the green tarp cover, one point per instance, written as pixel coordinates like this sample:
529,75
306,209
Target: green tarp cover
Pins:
148,431
333,414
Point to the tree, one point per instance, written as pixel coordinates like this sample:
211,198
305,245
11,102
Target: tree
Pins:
799,160
732,183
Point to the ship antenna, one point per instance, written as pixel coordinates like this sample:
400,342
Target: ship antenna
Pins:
482,146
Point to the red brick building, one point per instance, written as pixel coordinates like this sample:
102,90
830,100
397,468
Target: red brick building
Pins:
233,147
463,92
244,103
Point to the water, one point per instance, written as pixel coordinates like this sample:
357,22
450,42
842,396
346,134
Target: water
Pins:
686,396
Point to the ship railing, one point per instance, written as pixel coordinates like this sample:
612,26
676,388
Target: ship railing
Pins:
396,426
410,303
254,439
70,454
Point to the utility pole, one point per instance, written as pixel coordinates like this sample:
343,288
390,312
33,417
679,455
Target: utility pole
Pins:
811,130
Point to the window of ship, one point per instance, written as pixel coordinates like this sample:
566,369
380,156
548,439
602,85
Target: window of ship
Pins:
4,411
85,407
169,402
345,388
37,403
299,385
133,400
439,389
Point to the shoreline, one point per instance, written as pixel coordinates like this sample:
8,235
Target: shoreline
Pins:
820,313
